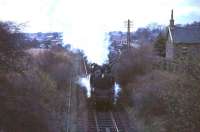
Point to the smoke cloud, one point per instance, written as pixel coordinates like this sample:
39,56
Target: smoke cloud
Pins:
85,82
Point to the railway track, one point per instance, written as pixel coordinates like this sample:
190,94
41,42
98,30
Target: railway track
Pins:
103,122
68,112
107,121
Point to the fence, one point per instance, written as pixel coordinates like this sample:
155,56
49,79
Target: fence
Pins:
170,65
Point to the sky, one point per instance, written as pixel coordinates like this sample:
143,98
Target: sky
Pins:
85,23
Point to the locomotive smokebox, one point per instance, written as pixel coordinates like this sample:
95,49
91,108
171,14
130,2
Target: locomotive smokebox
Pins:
102,85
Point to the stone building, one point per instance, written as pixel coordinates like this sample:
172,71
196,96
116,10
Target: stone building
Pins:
182,41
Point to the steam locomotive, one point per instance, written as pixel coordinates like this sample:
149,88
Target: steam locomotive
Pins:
102,86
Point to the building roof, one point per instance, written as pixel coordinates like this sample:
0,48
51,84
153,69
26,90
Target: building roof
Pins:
186,35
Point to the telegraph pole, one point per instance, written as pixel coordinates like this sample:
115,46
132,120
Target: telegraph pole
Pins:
128,37
129,25
128,34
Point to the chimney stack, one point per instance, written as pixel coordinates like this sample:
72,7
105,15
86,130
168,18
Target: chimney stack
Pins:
172,19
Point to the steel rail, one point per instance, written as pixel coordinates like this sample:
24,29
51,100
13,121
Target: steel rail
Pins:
96,122
114,122
69,107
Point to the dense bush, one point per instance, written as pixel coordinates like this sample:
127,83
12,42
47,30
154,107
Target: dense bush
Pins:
166,102
132,62
34,83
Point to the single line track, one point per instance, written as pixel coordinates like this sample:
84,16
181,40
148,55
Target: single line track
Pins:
105,122
69,107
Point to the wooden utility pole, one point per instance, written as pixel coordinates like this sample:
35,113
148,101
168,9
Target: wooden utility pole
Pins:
129,24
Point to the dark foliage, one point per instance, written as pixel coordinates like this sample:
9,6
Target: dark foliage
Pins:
34,83
160,45
12,45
